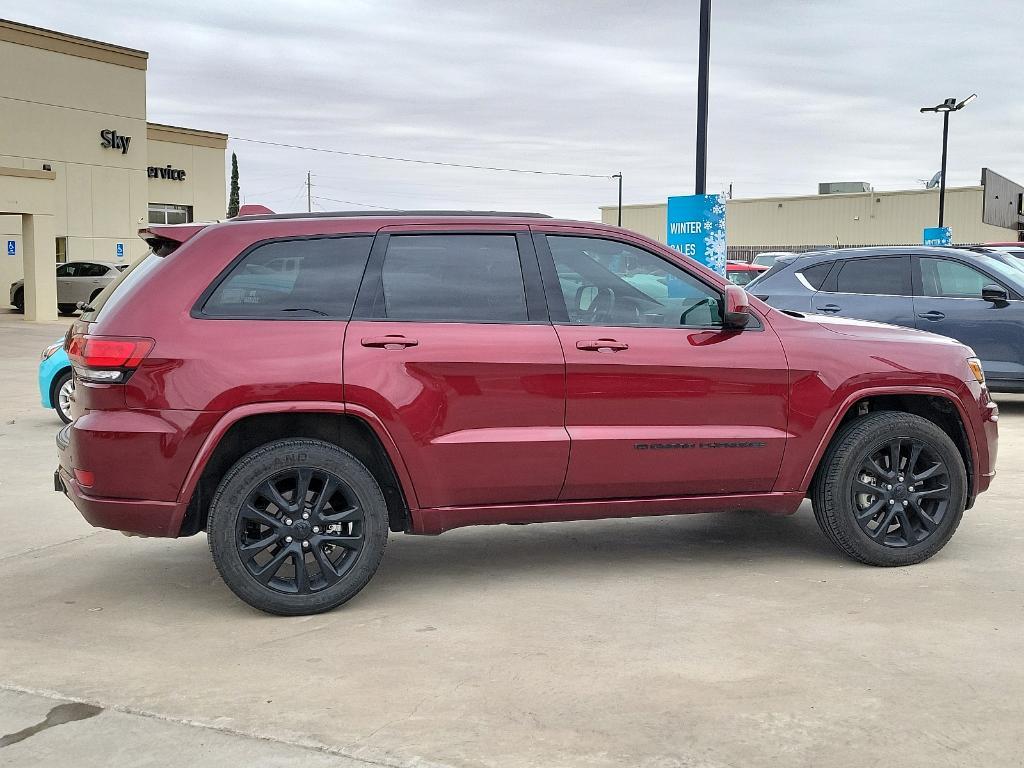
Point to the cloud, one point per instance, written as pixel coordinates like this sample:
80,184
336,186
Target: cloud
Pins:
801,92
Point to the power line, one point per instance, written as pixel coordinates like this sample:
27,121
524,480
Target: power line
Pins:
423,162
353,202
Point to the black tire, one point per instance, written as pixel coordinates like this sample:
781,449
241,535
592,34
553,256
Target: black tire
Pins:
67,309
19,300
351,527
55,395
857,475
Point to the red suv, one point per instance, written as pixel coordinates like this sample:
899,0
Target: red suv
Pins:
297,386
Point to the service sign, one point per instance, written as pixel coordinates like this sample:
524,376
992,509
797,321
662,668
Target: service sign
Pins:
940,236
696,228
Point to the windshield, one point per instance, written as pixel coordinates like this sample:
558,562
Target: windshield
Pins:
1008,271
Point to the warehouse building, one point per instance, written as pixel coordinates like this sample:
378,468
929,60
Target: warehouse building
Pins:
81,169
989,212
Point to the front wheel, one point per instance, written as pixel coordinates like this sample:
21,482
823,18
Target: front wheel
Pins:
891,489
297,527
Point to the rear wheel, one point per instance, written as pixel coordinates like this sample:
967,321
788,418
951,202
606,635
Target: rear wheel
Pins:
61,391
66,309
891,489
19,300
297,527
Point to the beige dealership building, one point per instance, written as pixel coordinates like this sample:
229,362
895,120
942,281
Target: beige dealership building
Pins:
81,169
866,217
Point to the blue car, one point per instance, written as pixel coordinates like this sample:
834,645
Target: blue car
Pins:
975,298
56,384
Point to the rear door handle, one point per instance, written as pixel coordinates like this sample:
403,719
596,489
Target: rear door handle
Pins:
830,308
602,345
933,314
388,342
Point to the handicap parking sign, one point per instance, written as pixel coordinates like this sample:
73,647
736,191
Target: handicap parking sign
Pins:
120,250
12,247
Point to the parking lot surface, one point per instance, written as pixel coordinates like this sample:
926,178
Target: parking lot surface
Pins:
702,640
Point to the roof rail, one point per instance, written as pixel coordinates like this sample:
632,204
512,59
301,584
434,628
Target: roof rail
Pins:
377,214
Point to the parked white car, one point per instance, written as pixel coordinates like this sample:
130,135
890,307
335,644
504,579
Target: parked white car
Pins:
76,281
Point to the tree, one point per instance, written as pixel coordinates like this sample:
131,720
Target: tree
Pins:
233,198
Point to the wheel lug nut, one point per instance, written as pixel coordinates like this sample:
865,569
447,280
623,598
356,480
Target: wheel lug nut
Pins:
305,515
305,544
288,539
316,529
901,478
888,488
892,501
904,503
288,520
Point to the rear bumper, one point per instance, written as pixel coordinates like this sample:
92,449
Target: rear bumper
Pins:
149,518
143,516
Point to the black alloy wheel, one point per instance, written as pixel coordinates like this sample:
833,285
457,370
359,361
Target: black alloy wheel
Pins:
297,527
902,493
300,531
891,489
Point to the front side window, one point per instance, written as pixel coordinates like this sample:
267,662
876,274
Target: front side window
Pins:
882,275
453,278
942,278
68,270
605,282
298,279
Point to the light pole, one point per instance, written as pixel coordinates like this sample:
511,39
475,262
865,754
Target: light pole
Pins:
949,105
703,57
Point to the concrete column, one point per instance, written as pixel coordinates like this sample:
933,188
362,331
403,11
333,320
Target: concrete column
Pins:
40,261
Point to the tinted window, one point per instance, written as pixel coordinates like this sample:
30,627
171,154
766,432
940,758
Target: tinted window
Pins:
816,275
877,275
92,270
68,270
293,279
605,282
458,278
951,279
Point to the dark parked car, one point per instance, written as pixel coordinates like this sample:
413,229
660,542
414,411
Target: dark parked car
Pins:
298,386
975,298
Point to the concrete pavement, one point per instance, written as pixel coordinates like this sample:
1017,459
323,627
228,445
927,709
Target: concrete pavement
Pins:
706,640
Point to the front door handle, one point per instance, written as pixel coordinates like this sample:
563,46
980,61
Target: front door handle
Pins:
933,314
602,345
389,342
830,308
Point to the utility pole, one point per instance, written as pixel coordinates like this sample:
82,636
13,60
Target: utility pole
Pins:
309,192
704,54
619,177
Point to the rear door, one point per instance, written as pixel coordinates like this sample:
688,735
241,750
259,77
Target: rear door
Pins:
452,349
661,400
869,288
949,303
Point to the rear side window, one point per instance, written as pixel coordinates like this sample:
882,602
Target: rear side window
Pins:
300,279
815,276
882,275
455,278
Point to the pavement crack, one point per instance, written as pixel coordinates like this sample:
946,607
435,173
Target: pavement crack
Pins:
49,546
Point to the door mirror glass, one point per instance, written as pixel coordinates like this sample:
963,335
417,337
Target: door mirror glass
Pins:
994,293
737,307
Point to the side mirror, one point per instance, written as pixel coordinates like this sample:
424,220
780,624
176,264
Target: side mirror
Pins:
995,293
737,308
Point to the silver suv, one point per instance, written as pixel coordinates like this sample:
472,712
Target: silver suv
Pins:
76,281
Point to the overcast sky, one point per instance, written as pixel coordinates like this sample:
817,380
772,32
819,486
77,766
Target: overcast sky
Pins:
801,92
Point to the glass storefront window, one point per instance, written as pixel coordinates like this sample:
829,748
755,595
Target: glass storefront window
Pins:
167,213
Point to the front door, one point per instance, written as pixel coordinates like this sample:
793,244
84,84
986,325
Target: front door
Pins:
868,288
451,347
949,303
660,399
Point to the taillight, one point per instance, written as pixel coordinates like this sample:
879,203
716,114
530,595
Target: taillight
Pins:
109,359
